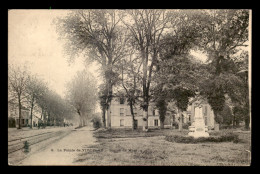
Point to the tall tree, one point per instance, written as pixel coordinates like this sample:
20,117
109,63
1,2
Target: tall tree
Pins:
130,81
17,81
224,33
82,94
146,28
161,105
35,88
97,35
239,93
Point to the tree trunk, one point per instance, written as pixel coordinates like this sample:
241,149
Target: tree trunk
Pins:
247,122
133,116
161,124
234,121
80,122
180,122
110,92
32,112
145,119
83,121
109,116
20,112
104,117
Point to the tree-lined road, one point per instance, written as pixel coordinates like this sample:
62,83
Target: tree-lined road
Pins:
63,151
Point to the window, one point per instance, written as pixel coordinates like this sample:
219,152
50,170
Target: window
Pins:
153,112
22,121
156,122
121,111
122,100
121,122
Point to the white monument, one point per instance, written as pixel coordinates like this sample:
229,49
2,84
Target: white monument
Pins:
198,128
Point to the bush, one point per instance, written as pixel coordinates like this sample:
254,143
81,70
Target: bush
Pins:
175,124
223,126
188,139
96,122
186,125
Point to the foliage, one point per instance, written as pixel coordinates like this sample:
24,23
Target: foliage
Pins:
96,121
82,94
160,41
188,139
186,125
162,107
224,33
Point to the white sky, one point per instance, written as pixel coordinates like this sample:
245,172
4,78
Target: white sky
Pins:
33,41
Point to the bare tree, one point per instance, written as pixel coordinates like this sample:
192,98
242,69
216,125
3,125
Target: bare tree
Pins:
35,88
17,81
82,94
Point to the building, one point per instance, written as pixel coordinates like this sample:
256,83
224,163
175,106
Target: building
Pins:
208,113
120,116
13,116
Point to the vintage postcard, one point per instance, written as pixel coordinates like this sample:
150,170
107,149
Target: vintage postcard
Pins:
129,87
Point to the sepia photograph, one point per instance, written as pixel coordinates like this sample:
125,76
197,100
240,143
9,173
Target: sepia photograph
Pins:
129,87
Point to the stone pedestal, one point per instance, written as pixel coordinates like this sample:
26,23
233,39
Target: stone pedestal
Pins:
198,128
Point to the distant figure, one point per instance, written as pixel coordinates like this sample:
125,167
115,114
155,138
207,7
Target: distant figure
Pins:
64,124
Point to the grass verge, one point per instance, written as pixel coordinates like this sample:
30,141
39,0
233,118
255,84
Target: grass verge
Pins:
136,148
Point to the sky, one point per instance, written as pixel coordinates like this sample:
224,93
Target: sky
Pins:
33,41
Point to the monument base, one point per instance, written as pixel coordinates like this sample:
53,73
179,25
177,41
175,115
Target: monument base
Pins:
198,134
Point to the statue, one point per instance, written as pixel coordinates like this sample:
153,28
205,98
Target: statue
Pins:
198,128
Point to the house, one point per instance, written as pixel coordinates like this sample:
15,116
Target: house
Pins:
13,116
186,116
207,111
120,115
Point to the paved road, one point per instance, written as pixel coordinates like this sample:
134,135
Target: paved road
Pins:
64,151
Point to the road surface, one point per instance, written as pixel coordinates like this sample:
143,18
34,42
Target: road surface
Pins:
63,151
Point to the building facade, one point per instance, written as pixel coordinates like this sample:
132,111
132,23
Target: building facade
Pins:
120,116
13,116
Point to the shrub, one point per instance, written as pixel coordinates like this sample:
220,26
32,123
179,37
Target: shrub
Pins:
96,122
188,139
223,126
175,124
186,125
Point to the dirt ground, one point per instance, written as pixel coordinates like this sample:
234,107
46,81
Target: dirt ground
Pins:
64,151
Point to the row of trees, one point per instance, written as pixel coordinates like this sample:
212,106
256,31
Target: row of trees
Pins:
146,53
28,90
